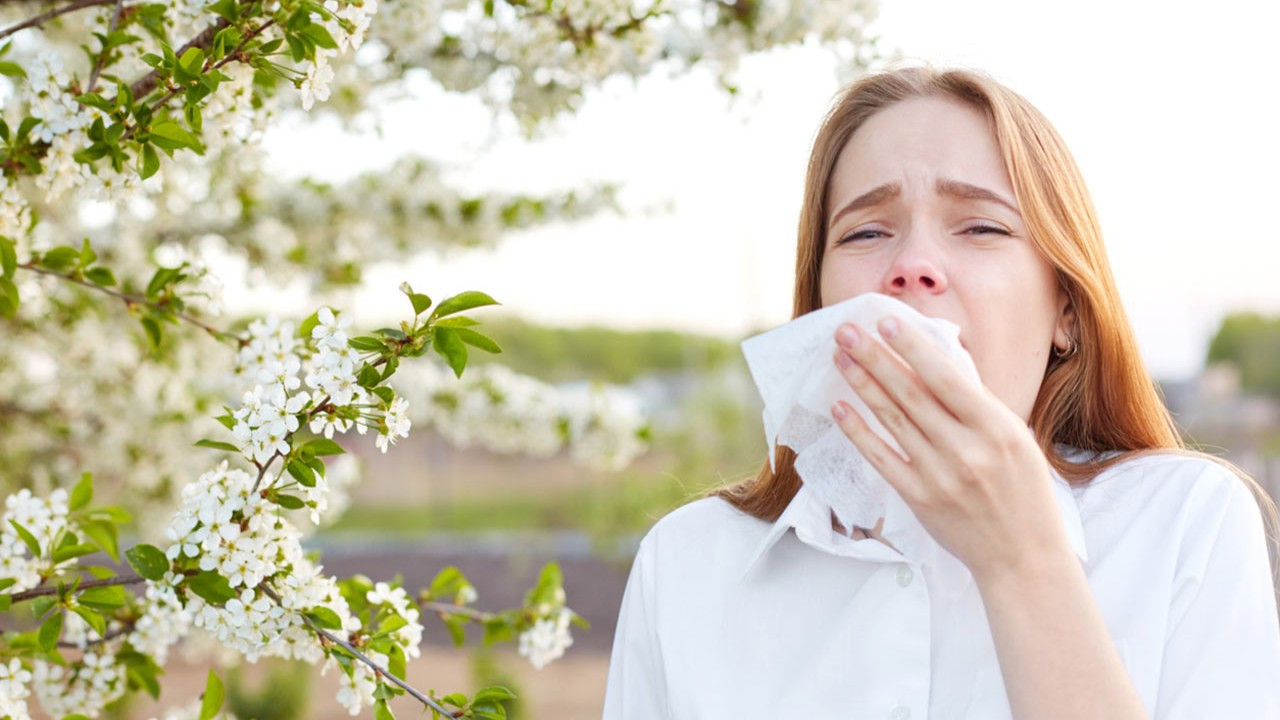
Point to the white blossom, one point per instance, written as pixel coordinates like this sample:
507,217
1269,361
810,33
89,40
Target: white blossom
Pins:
547,639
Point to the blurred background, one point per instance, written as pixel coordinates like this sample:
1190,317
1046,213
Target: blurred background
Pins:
682,244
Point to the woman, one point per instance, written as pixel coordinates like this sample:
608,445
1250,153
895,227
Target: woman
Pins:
1150,596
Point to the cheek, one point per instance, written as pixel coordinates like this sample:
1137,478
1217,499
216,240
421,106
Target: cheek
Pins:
843,278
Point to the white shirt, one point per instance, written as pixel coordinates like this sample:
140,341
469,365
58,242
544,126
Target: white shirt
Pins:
728,616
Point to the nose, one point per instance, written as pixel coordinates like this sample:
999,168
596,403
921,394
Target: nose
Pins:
916,270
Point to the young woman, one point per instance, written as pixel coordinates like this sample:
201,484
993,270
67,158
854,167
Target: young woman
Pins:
1149,596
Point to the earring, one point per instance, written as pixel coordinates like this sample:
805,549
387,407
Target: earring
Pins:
1064,354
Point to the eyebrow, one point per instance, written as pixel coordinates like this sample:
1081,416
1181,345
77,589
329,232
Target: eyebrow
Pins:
888,191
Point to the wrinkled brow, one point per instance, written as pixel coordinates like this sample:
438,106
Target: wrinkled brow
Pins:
945,186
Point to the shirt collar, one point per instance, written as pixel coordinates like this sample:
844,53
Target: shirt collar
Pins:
806,514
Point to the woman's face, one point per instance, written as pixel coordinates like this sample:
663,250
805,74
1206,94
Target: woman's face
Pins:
922,210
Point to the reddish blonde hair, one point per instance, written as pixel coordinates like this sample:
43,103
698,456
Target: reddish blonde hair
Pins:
1100,398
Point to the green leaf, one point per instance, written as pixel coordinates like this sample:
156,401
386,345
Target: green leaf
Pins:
162,278
104,534
367,343
324,617
171,136
150,161
320,36
396,662
94,618
456,322
7,582
154,336
455,699
420,302
100,276
321,447
8,257
61,258
104,598
451,348
212,587
27,538
475,339
82,493
382,712
148,561
192,60
87,255
463,301
228,9
212,701
493,694
304,330
50,631
8,297
12,69
302,473
69,552
217,445
289,502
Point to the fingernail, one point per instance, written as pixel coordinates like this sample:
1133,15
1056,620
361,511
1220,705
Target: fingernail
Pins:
839,411
847,336
843,360
889,327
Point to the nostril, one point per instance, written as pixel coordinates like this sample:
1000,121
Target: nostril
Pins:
927,282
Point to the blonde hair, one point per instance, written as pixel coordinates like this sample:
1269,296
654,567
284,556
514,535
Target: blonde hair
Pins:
1099,398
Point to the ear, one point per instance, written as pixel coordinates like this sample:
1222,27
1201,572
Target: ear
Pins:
1065,329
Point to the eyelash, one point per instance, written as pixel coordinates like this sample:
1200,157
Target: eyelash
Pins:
854,236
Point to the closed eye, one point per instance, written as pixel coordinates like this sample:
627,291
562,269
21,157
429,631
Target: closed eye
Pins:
866,234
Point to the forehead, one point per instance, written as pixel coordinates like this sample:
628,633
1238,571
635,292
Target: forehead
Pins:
915,141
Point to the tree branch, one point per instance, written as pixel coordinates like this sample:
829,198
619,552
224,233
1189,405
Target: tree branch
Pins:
102,57
45,17
131,300
382,672
52,590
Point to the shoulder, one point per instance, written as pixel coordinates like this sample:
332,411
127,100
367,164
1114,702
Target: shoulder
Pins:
1181,478
1185,496
703,530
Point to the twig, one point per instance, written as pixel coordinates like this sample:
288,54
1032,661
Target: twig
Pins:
43,18
98,641
477,615
361,656
131,300
102,57
52,590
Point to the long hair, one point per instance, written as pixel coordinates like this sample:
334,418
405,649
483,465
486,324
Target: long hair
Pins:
1099,398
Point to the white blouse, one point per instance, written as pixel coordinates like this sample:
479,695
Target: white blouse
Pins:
728,616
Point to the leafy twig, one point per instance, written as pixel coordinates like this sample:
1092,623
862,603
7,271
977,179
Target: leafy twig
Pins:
381,671
45,17
102,57
53,590
131,300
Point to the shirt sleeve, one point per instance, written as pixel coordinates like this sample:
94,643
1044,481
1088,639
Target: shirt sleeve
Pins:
1222,647
636,688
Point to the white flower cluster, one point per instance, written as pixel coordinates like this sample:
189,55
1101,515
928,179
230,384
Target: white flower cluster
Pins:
397,600
318,73
46,521
506,412
85,687
15,215
547,639
356,689
15,687
164,621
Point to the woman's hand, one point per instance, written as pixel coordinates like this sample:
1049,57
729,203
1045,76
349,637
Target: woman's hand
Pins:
974,475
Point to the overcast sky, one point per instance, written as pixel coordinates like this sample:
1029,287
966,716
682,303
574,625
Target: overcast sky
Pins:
1173,116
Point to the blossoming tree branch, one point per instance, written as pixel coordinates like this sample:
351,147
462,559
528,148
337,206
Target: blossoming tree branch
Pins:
131,145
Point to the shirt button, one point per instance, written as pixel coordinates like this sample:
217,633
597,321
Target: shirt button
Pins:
902,712
904,579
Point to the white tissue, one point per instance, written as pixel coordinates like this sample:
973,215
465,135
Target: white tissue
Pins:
794,369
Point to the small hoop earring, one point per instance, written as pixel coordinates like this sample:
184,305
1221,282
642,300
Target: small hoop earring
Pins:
1072,346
